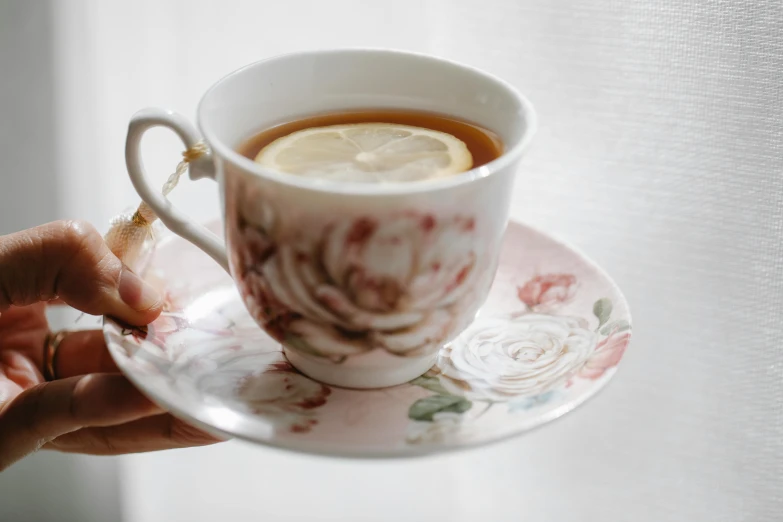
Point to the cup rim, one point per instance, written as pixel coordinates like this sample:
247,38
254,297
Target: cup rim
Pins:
370,189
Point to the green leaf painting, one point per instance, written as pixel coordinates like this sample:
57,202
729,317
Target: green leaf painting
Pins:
425,409
430,383
602,309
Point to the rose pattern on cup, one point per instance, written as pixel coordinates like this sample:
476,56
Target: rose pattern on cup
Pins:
520,360
403,284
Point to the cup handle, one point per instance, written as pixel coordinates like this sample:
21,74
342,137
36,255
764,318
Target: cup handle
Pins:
203,167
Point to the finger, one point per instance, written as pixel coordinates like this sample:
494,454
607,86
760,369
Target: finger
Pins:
149,434
83,352
70,261
51,409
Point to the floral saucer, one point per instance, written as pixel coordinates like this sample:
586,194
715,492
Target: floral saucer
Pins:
550,335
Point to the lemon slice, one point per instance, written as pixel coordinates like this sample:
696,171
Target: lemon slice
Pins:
368,153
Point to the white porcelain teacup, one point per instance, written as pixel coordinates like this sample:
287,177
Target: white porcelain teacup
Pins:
361,283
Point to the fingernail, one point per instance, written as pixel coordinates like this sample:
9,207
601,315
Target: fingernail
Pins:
136,292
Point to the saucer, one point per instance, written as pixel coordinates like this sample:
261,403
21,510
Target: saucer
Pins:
550,335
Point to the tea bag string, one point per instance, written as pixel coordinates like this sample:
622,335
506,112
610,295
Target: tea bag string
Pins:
144,215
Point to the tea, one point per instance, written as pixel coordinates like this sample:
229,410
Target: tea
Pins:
378,145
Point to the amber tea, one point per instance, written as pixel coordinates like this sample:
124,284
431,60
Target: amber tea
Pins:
374,146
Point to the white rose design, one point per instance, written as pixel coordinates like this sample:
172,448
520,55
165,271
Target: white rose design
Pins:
501,359
362,284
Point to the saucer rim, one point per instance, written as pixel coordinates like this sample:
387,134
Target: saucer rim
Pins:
321,449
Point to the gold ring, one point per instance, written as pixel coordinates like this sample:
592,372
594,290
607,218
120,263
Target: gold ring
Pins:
51,344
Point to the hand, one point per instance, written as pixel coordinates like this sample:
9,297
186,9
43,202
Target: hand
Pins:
89,408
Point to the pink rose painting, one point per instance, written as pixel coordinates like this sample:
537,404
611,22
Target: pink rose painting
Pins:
548,291
607,355
158,332
399,285
280,391
261,382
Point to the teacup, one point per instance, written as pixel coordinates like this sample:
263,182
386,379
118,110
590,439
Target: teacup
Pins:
361,283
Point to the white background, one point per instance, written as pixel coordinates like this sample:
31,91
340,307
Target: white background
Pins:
660,154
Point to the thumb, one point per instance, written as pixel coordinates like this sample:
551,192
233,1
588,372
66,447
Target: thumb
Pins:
69,260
